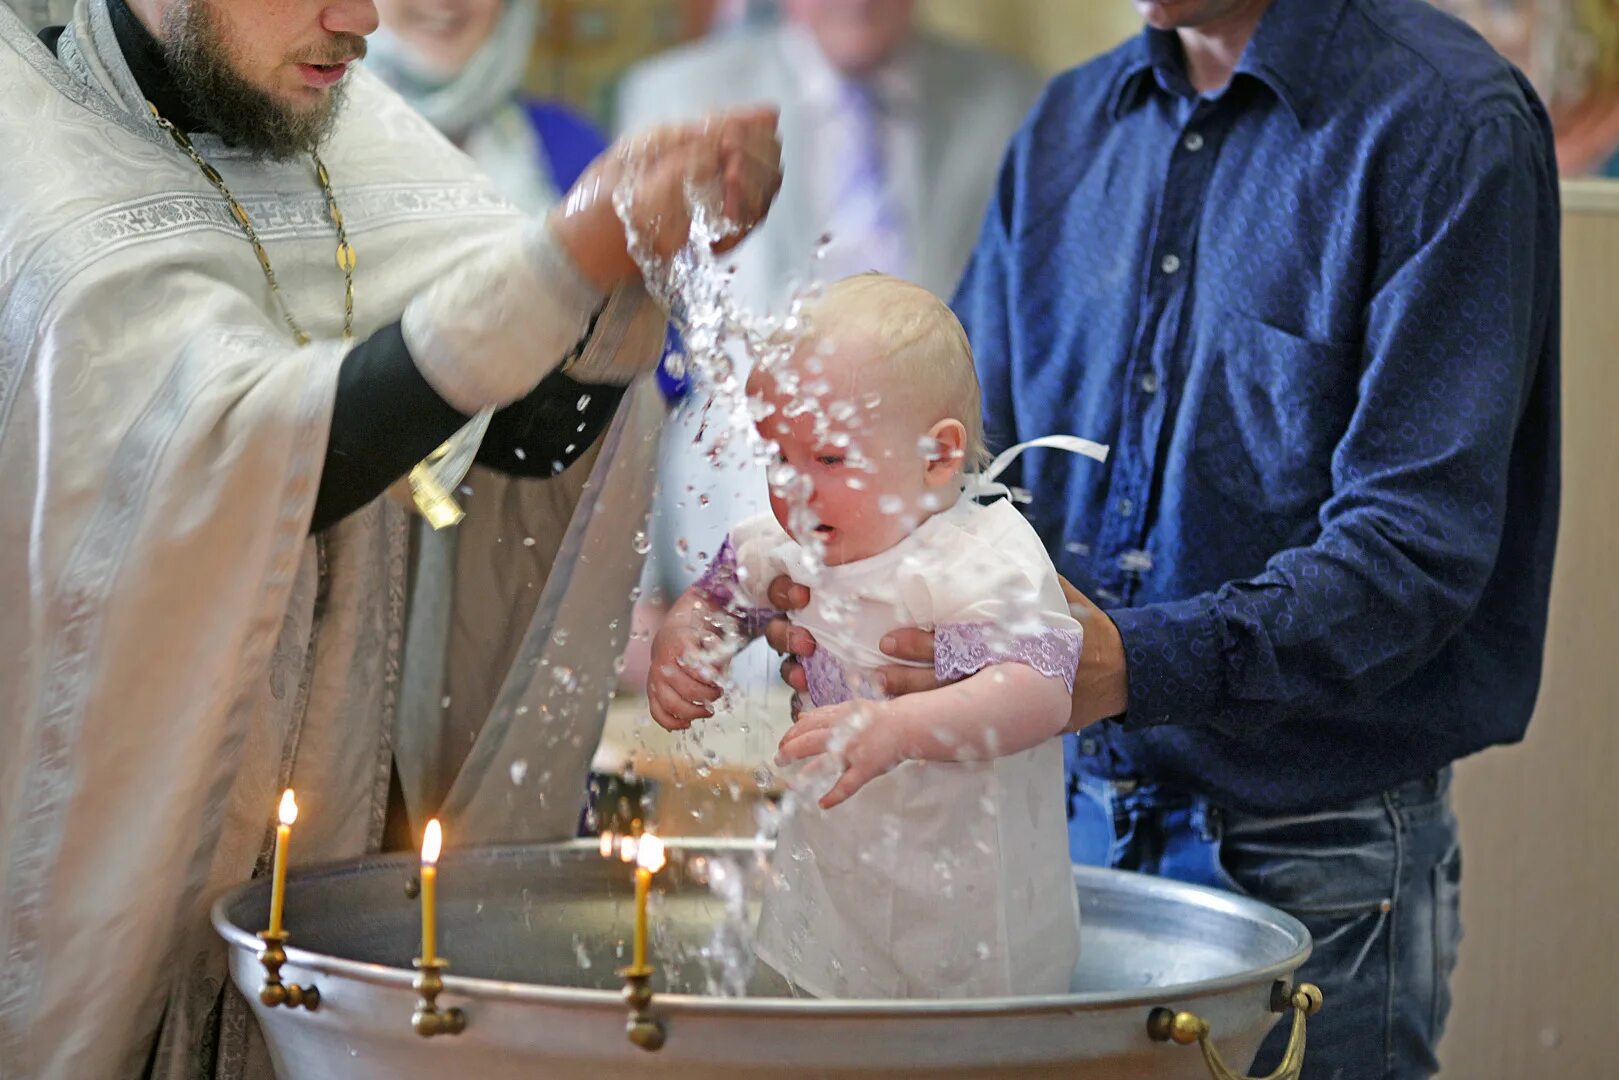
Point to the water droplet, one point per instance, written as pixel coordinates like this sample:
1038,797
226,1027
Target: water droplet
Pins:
641,543
564,677
519,771
890,504
444,702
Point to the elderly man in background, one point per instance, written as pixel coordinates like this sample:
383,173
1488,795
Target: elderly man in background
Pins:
246,289
890,142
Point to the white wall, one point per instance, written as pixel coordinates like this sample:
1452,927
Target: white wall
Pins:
1539,970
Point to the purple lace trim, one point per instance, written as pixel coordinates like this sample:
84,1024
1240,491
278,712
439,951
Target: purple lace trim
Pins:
719,585
829,684
960,649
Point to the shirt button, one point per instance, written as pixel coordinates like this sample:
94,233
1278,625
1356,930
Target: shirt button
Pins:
1149,383
1088,747
1193,141
1170,264
1126,507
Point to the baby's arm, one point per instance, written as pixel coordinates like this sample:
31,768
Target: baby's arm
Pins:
701,633
1001,710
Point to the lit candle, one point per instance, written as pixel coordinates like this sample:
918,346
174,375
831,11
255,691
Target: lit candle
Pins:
432,842
278,878
648,861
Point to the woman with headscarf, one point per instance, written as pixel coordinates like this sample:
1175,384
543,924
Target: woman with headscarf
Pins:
461,64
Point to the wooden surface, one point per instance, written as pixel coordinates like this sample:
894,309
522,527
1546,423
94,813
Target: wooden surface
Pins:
1539,973
708,781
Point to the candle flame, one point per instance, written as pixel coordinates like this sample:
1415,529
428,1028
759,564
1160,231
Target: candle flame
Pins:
432,843
626,848
289,808
649,854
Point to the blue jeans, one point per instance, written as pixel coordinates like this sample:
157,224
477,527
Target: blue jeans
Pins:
1377,882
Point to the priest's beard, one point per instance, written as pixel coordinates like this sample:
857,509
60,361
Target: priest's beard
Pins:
229,106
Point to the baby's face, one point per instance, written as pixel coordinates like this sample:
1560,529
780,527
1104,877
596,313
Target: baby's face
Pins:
851,470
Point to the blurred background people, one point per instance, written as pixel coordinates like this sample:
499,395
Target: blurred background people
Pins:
892,138
462,63
1570,51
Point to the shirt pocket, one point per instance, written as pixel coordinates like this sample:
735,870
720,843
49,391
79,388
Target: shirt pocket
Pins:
1274,407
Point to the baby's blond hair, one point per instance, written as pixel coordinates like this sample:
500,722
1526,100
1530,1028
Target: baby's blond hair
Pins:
925,359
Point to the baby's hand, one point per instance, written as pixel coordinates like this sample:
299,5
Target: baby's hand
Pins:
868,737
679,685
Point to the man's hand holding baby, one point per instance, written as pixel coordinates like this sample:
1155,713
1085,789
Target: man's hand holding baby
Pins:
793,642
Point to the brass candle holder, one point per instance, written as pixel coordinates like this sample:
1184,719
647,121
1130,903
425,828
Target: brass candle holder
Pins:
643,1029
428,1019
274,992
646,851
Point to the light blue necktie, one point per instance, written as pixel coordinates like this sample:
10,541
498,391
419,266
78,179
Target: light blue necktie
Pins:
868,228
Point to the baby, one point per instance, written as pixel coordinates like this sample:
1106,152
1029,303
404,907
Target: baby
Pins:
946,874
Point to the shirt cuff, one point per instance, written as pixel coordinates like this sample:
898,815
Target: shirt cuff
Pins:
1174,660
721,586
626,341
963,649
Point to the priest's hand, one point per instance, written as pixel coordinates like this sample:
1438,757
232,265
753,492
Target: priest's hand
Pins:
734,158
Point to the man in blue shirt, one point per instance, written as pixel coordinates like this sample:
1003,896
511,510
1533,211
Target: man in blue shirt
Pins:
1297,262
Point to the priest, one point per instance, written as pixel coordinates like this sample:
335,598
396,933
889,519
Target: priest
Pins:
243,290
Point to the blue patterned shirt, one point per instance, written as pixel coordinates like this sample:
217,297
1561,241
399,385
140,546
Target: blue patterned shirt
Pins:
1316,316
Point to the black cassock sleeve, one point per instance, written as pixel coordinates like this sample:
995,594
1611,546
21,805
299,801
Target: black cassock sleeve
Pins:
386,418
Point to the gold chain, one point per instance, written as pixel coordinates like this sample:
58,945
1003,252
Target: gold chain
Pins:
436,504
345,253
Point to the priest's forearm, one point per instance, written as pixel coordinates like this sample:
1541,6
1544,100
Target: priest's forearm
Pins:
493,333
387,418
